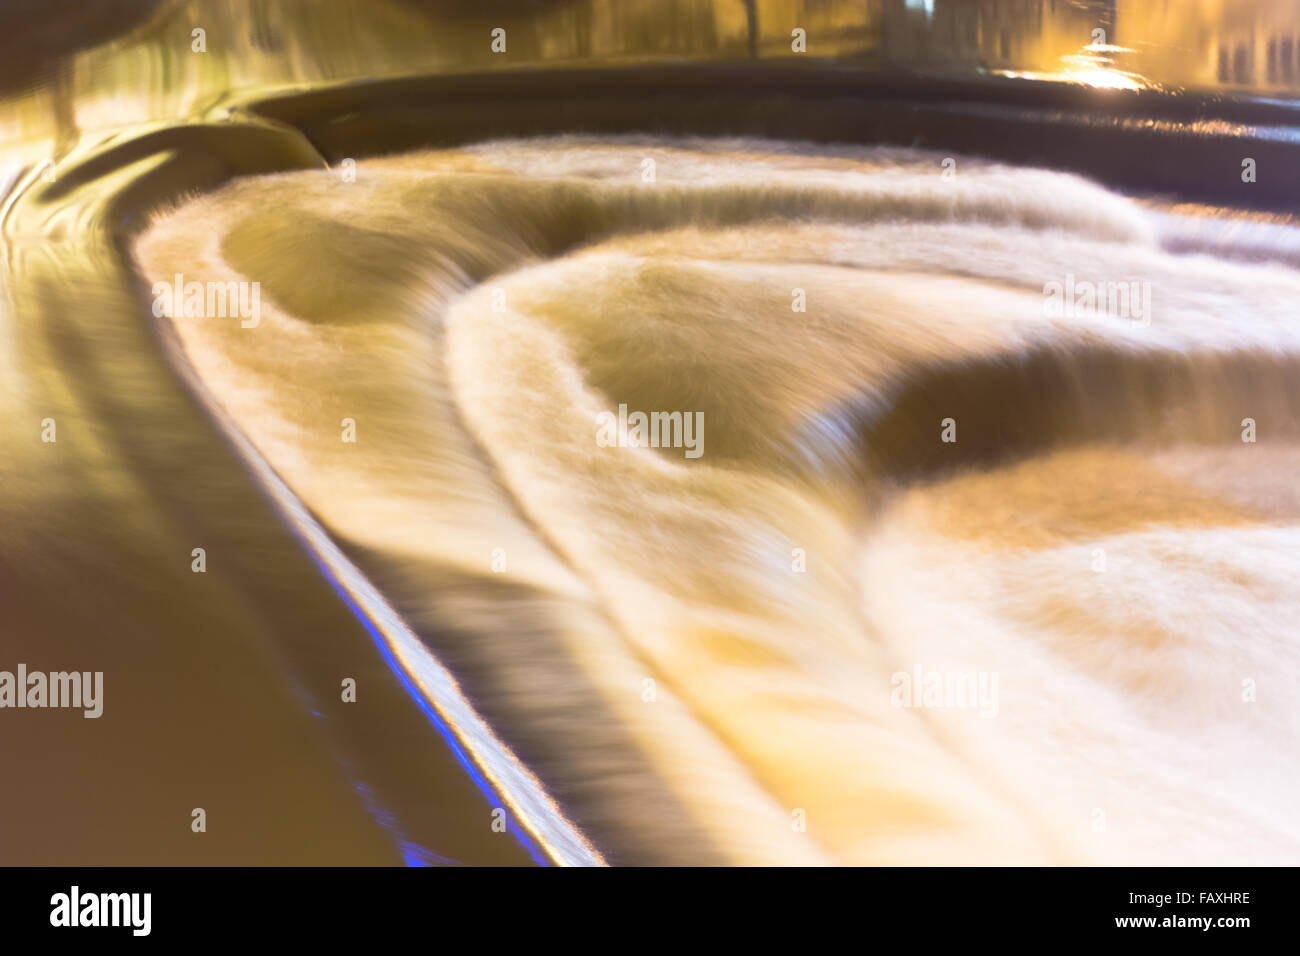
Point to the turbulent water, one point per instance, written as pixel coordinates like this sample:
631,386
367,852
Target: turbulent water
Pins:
907,465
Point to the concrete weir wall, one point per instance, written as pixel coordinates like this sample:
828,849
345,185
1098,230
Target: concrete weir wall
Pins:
1132,140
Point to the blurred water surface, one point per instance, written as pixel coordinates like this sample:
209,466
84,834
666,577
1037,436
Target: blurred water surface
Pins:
66,71
222,687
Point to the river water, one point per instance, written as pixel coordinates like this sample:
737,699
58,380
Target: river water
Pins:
910,469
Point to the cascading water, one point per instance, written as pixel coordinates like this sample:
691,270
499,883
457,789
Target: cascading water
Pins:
1002,429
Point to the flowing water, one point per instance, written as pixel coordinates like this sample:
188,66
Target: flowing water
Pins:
692,648
931,565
